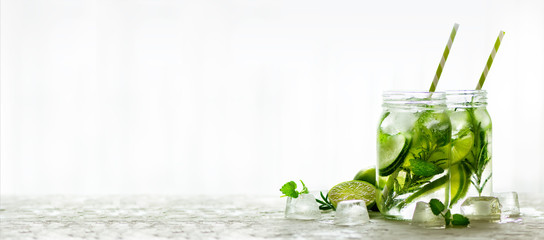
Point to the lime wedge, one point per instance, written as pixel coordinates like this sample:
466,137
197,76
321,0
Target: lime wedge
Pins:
461,147
353,190
391,151
367,175
459,182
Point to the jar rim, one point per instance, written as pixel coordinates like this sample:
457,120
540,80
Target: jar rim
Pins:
465,92
411,92
466,98
416,94
414,100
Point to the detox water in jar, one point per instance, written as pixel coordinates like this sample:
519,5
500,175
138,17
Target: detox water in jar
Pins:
470,171
413,152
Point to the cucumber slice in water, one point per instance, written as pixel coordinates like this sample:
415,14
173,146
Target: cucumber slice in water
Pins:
391,152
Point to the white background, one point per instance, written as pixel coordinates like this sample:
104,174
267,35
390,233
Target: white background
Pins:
202,97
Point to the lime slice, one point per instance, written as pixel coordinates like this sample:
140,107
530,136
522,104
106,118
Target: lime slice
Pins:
459,182
367,175
461,147
391,151
353,190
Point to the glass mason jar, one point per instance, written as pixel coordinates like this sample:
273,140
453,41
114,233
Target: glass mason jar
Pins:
470,171
413,149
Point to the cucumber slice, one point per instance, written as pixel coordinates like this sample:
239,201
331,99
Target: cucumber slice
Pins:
391,152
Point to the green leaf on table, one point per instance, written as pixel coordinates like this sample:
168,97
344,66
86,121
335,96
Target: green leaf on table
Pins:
460,220
289,189
436,206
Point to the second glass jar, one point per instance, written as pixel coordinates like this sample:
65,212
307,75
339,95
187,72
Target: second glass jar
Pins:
470,171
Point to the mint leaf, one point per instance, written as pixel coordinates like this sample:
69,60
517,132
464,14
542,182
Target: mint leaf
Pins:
460,220
424,168
447,217
304,188
289,189
436,206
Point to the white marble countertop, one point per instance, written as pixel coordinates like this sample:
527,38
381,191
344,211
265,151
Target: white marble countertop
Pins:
222,217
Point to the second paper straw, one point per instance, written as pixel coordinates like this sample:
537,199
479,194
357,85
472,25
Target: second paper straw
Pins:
490,60
444,58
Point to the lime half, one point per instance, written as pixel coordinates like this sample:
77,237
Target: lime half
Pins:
367,175
353,190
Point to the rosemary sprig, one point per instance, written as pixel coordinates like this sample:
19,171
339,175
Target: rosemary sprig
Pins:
325,203
479,153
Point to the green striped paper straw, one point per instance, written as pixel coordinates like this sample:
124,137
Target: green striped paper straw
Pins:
490,61
444,58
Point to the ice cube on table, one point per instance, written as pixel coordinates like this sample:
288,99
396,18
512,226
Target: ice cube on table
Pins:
424,217
509,202
351,212
303,207
485,208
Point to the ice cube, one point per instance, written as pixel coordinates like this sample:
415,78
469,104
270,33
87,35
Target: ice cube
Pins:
484,208
398,122
424,217
459,121
351,212
482,116
303,207
509,202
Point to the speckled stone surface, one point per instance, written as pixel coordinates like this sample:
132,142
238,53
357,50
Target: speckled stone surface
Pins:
227,217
